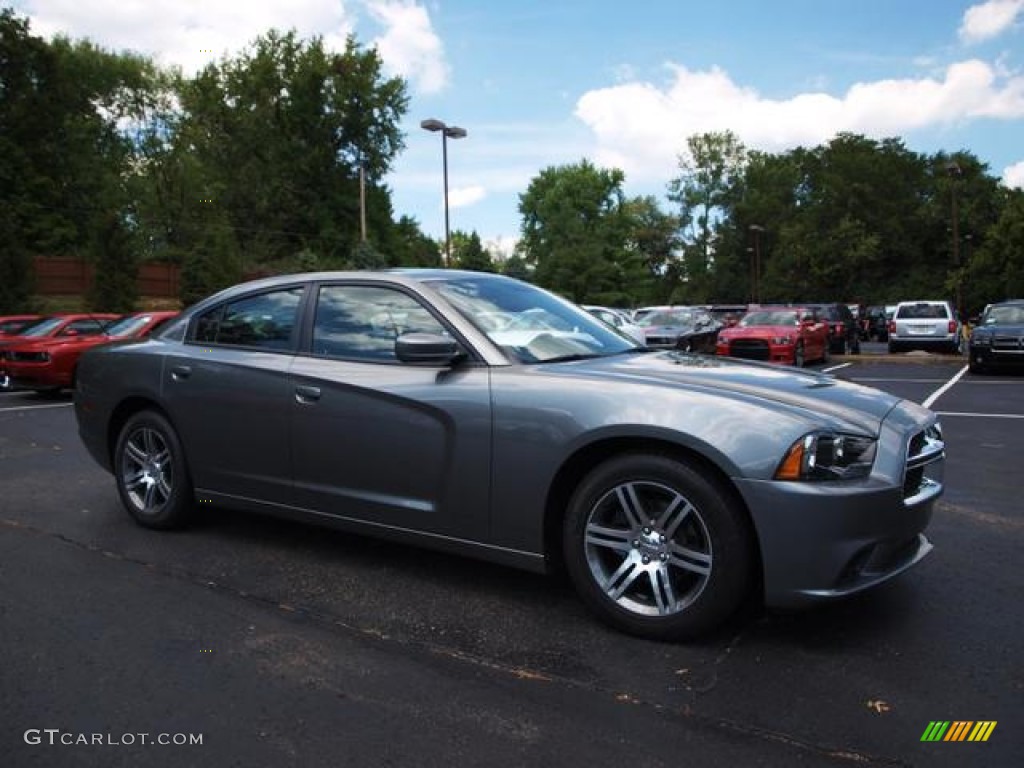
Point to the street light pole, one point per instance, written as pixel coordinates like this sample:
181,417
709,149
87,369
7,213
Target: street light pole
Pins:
755,267
447,132
954,174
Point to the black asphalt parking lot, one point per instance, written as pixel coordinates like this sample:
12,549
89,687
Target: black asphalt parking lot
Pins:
283,645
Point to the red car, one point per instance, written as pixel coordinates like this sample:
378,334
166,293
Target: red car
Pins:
790,335
12,325
46,362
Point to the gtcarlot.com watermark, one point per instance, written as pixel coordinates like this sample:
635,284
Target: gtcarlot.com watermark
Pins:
56,737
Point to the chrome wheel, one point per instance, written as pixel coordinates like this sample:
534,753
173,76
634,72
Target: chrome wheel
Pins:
648,549
147,474
151,474
656,546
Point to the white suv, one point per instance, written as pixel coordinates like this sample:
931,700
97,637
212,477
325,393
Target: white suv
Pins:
928,325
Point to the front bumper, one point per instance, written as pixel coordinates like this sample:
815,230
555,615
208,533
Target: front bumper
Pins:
821,541
817,545
758,349
1008,353
36,375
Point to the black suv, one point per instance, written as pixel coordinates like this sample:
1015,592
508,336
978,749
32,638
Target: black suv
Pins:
843,334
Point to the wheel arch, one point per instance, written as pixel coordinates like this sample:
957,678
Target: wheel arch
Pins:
124,411
584,459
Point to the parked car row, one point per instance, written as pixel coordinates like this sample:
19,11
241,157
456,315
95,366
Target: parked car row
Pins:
42,354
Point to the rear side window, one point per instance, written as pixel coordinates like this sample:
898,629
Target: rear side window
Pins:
265,321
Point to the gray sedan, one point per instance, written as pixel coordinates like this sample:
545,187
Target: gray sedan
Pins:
670,486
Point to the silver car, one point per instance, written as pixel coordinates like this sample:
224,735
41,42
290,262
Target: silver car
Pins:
480,415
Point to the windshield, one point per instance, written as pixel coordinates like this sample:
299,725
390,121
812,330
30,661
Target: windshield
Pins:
1012,314
669,317
128,326
43,327
530,324
777,317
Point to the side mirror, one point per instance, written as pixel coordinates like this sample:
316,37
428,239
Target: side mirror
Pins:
427,348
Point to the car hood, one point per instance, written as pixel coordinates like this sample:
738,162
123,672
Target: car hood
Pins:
1010,329
759,330
665,330
814,392
41,345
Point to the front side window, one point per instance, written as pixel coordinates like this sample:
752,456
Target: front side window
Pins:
361,322
264,321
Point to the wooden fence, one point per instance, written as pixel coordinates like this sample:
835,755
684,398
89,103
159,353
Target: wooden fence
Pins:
71,276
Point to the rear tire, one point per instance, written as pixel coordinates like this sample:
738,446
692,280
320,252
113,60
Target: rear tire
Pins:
657,548
150,471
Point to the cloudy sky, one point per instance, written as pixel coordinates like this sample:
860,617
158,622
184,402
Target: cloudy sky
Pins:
547,82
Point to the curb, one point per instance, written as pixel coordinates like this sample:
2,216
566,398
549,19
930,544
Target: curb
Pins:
914,358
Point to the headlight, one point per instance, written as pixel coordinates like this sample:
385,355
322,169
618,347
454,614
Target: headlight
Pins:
780,340
981,339
828,456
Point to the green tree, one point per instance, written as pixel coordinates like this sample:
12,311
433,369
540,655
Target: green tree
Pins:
515,266
996,269
407,245
710,167
575,233
279,133
654,239
469,253
213,262
115,288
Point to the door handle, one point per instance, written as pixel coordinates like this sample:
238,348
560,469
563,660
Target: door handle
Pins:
305,394
180,372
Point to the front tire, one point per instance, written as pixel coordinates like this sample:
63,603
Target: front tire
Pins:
151,474
798,355
656,548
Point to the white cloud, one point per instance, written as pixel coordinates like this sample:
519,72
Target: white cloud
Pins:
1013,176
988,20
642,128
409,46
463,197
187,33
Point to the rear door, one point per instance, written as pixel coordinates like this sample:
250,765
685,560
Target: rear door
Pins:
228,393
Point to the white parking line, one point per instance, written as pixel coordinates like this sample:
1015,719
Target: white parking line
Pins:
35,407
836,367
944,388
982,415
859,379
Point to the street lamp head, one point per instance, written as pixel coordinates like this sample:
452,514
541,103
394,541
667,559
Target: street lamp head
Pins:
756,228
953,168
431,124
454,132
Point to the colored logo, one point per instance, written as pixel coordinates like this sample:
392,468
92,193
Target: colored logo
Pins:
959,730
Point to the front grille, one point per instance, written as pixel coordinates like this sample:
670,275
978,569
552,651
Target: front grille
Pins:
28,357
750,349
925,453
1010,344
661,341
